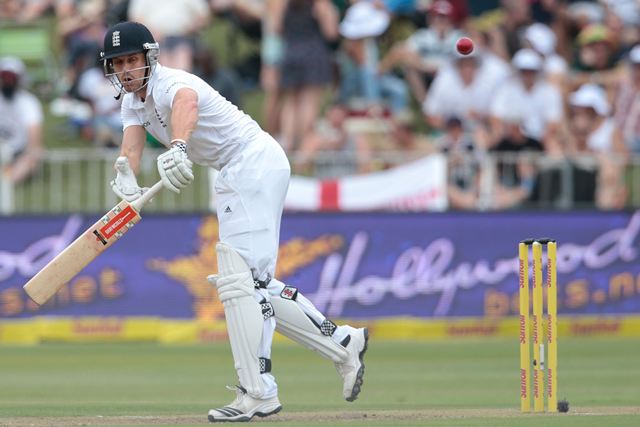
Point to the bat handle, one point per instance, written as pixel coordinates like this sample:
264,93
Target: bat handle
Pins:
148,195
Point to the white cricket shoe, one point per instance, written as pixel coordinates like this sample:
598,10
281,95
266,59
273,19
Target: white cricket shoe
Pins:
352,370
244,407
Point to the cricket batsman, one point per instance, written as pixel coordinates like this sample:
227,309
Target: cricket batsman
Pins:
198,125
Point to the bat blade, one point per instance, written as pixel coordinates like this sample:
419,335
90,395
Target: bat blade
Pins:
95,240
68,263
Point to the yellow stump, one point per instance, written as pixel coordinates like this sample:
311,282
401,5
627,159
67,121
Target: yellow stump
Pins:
552,328
525,356
538,344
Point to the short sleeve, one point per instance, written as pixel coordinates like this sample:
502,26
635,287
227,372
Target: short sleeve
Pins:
31,111
167,90
436,98
129,117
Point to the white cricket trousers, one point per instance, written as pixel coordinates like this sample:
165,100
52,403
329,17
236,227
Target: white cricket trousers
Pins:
250,194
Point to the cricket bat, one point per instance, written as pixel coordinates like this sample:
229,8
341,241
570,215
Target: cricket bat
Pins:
95,240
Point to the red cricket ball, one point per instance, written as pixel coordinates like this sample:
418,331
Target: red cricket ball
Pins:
464,45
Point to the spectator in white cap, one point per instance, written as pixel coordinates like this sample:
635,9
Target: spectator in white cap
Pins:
426,50
594,131
527,110
359,58
20,123
542,39
591,124
465,88
526,114
627,102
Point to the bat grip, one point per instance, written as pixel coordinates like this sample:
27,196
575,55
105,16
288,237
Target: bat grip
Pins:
148,195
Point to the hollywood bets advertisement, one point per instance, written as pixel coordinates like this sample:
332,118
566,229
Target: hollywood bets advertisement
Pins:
355,266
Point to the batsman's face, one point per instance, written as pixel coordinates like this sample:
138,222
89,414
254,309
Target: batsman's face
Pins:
131,70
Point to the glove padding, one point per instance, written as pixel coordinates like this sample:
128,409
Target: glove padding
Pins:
125,184
175,168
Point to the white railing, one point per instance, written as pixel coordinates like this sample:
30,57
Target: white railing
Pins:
77,180
6,189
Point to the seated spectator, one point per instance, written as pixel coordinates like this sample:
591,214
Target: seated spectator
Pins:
175,24
592,128
627,102
541,38
20,123
525,118
426,50
597,58
463,165
527,110
358,61
593,174
465,88
589,138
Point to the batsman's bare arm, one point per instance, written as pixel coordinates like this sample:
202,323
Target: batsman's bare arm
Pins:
184,114
133,141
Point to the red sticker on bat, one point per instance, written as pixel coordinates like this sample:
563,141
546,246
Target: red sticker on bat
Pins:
117,222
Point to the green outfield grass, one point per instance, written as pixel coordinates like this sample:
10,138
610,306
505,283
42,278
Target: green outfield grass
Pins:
461,383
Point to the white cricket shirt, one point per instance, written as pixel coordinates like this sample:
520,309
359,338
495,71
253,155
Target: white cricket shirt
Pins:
222,130
448,96
17,115
534,109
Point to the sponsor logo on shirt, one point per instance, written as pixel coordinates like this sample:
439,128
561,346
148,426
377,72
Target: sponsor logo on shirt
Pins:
175,83
159,117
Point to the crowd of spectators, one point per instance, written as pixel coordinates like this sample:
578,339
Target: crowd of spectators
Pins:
549,97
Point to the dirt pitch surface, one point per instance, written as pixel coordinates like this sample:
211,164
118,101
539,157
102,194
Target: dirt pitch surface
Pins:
301,417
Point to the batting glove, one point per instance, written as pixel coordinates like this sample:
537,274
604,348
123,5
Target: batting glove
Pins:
175,168
125,184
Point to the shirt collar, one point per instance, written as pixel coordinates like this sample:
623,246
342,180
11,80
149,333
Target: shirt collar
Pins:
154,78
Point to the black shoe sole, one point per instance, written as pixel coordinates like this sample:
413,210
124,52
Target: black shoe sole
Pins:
244,419
360,375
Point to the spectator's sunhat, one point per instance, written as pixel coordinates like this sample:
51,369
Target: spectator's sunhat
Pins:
590,96
527,59
441,7
594,33
541,38
474,55
634,54
362,20
12,64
